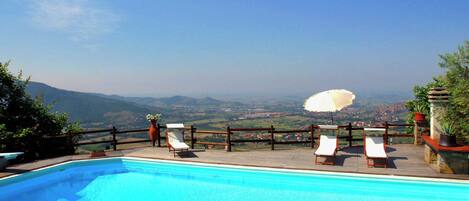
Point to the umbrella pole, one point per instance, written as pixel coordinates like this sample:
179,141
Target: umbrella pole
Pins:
332,118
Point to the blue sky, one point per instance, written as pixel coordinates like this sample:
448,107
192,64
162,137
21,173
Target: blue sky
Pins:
161,48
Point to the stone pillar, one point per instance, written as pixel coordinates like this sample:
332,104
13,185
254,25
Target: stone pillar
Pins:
428,154
420,128
438,98
417,134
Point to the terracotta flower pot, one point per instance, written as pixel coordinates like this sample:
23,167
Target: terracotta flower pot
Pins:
418,116
153,131
94,154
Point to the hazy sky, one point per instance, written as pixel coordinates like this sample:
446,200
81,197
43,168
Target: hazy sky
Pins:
204,47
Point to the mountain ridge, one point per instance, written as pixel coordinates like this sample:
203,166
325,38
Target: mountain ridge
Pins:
101,110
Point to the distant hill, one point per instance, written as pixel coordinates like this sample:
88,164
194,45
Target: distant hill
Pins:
90,109
94,110
177,101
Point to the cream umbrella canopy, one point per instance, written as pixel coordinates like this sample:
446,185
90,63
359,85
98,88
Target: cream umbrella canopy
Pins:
329,101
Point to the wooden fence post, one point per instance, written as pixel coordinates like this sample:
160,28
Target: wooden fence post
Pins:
228,139
272,141
114,140
158,135
386,126
312,135
350,134
70,140
192,136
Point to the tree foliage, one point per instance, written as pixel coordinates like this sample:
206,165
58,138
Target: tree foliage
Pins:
27,123
456,80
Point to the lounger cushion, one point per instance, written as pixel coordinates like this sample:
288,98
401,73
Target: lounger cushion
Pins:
177,125
179,145
375,147
329,127
176,140
327,146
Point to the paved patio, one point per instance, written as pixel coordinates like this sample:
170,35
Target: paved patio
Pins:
405,160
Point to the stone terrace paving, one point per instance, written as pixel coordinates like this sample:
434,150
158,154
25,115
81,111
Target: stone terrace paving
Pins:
405,160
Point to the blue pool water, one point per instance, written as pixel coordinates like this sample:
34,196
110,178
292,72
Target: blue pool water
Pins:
127,179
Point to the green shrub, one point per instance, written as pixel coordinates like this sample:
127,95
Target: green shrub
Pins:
420,103
27,124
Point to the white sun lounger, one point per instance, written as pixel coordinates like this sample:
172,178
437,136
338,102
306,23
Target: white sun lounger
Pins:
374,147
5,157
175,138
327,144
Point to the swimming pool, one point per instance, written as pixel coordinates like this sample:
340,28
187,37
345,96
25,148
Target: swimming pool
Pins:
135,179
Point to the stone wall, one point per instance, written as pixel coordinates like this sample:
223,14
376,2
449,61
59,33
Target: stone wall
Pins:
453,162
447,162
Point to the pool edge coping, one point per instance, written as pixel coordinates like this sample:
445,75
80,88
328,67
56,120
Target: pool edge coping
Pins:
252,167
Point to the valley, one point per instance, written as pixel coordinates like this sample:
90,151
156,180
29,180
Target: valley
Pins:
95,111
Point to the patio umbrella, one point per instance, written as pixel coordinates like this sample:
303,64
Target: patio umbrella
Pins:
329,101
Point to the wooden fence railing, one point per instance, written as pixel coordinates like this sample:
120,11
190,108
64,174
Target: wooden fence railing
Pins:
229,133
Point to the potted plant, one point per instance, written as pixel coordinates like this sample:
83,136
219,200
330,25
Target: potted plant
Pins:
448,135
97,151
153,130
419,112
